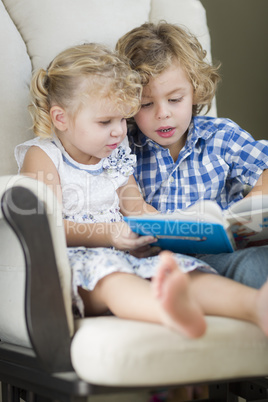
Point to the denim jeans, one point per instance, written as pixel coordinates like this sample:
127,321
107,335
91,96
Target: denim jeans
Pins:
248,266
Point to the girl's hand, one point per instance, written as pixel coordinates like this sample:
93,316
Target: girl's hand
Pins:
122,238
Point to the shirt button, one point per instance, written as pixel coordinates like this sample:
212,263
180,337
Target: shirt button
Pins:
171,179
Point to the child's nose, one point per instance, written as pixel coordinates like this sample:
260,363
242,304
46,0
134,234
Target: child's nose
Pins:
162,113
119,129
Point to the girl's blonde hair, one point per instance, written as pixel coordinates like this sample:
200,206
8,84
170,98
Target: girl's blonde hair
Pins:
152,48
81,71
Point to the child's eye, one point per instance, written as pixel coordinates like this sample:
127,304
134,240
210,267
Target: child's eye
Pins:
144,105
176,100
105,122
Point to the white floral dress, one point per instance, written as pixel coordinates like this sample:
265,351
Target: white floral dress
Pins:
89,196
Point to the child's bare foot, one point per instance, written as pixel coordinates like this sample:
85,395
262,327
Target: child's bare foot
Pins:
262,308
171,288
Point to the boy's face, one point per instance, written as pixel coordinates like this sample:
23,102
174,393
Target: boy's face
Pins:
166,110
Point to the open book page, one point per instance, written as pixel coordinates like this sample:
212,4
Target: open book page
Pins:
248,220
202,211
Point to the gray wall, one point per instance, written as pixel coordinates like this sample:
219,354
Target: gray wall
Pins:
239,36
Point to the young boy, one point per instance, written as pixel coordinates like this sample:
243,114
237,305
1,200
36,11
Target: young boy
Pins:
183,157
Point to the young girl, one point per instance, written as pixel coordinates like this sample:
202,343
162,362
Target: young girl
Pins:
183,157
79,106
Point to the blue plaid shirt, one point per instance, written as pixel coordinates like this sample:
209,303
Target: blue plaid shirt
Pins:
217,161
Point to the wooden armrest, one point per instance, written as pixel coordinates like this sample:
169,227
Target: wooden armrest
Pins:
44,306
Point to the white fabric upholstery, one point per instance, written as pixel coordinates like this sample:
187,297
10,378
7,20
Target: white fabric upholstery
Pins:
110,351
15,74
190,14
49,28
105,350
12,285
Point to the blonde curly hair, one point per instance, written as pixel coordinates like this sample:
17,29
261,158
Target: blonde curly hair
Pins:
76,73
152,48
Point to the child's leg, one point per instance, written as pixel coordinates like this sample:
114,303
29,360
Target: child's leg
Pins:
215,295
166,300
178,300
239,265
224,297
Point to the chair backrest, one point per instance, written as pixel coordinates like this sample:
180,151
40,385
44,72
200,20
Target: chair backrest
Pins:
33,32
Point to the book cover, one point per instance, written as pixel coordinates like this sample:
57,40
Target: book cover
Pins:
186,237
205,229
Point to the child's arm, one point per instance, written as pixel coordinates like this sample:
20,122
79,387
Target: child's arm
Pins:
131,200
39,166
261,187
116,234
132,203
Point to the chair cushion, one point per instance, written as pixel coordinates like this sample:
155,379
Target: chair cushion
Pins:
113,351
15,73
52,26
189,13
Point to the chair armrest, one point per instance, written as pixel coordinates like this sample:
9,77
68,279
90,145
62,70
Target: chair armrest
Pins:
44,306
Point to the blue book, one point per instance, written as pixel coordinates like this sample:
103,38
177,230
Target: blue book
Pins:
205,228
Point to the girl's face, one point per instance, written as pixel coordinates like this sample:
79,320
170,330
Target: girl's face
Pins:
96,131
166,109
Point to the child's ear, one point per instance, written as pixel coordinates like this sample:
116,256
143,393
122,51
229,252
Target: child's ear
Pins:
59,118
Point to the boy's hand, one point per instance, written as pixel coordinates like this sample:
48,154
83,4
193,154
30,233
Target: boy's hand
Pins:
146,251
122,238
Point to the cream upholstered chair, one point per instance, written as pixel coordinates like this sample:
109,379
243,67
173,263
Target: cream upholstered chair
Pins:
43,352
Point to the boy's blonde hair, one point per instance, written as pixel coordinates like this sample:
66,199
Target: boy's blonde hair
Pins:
76,73
152,48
